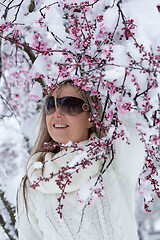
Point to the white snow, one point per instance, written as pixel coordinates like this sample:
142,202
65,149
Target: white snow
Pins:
17,134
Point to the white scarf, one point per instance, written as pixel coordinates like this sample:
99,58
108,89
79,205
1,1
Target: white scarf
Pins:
53,164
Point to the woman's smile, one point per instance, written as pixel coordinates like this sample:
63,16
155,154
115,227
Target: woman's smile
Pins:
60,126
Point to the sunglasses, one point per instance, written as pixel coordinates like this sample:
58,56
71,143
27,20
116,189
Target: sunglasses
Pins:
69,105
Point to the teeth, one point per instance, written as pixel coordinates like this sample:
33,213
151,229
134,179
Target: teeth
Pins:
60,125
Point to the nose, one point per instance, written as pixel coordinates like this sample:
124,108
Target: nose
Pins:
58,112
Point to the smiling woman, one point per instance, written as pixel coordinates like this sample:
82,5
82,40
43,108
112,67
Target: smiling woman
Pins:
74,108
82,173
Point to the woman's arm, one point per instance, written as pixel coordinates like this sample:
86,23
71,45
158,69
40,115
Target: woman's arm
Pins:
27,223
129,159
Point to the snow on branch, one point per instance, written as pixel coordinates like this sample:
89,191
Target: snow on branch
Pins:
7,217
106,48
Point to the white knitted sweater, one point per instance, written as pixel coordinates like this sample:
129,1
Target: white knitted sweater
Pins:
110,217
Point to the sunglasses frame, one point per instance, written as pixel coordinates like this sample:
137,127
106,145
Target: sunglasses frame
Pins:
84,105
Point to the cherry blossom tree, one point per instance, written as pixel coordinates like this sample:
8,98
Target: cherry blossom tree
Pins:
110,48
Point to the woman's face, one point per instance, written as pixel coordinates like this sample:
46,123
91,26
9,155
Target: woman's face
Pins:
64,128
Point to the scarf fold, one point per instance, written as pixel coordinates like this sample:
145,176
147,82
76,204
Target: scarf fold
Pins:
53,164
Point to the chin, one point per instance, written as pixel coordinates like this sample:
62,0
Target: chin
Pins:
61,141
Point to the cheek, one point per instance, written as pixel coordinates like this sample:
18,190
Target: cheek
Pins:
83,121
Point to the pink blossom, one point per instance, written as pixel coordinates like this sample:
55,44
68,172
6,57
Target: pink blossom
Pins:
122,106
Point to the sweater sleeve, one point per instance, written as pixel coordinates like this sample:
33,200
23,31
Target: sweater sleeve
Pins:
27,223
129,159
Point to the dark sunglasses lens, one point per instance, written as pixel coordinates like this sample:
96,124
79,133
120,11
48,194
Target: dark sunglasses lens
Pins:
72,106
49,105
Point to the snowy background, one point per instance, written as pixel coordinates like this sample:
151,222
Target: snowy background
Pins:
33,36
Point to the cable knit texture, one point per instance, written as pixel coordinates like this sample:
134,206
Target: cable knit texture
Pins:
108,218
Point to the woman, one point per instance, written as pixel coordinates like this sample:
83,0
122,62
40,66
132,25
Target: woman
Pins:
52,202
